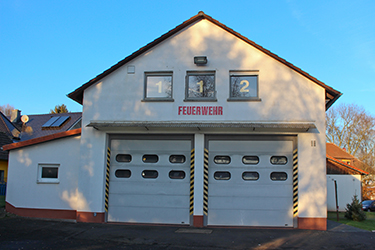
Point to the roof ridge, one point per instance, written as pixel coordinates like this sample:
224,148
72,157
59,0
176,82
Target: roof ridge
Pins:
346,165
6,126
77,94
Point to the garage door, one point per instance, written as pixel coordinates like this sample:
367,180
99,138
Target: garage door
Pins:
149,181
250,183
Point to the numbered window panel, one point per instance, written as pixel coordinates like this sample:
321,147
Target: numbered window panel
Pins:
123,173
150,158
177,158
158,86
200,86
222,175
177,174
279,160
250,160
244,87
222,159
250,176
48,173
123,158
150,174
279,176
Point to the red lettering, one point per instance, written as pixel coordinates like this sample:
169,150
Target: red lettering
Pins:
184,111
179,110
188,110
204,110
193,110
220,110
198,110
210,110
214,111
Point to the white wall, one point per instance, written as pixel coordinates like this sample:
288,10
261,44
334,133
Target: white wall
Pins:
286,97
347,187
23,190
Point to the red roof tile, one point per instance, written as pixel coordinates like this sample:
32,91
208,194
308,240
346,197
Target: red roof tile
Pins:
42,139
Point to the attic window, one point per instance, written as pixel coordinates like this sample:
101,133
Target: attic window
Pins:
55,121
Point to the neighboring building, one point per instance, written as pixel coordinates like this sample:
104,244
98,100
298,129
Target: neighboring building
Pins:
347,178
353,175
200,127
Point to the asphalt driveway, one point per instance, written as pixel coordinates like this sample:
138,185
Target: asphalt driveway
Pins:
25,233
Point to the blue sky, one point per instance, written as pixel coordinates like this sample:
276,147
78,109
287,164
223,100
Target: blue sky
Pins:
50,48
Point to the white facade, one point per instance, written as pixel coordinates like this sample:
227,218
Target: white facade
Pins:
347,187
289,105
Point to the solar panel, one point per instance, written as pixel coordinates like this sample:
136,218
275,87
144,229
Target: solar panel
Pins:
60,121
50,121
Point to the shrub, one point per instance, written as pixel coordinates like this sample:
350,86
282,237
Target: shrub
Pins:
354,210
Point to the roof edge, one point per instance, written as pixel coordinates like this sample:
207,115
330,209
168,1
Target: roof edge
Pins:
77,95
346,165
42,139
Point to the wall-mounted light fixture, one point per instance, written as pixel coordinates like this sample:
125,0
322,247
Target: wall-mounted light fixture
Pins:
200,60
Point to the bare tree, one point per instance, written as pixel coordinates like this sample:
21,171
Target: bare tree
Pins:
6,109
349,126
59,109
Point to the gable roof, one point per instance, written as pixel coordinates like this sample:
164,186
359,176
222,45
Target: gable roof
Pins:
339,154
7,127
34,127
42,139
77,95
342,166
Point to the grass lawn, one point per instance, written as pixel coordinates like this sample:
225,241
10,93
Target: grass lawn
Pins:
368,224
2,201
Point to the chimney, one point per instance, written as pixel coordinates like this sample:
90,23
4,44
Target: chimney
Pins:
15,116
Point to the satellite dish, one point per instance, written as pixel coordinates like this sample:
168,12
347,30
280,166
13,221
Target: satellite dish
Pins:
24,118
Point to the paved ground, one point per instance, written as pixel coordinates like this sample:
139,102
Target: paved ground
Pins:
23,233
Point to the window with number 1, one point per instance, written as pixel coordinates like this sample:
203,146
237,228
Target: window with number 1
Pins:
200,86
158,86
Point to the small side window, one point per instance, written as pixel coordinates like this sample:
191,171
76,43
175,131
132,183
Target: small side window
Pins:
222,175
278,160
279,176
250,159
222,159
48,173
250,176
123,158
150,158
177,174
123,173
150,174
177,158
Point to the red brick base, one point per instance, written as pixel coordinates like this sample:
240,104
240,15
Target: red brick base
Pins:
90,217
42,213
312,223
198,220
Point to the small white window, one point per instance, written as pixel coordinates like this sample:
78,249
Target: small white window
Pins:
48,173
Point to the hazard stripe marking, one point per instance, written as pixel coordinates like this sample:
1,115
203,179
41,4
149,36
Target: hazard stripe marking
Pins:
106,195
205,183
192,164
295,183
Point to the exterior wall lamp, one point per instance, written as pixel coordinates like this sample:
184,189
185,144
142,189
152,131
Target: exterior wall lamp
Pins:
200,60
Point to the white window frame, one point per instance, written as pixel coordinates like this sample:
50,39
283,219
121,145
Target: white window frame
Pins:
48,180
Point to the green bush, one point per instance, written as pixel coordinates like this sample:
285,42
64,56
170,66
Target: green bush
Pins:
354,210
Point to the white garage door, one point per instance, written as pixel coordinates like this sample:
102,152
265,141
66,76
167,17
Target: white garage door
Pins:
250,183
149,181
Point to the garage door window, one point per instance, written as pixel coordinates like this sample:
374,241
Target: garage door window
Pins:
250,160
250,176
150,174
177,174
222,175
177,158
150,158
222,159
123,158
279,160
123,173
279,176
